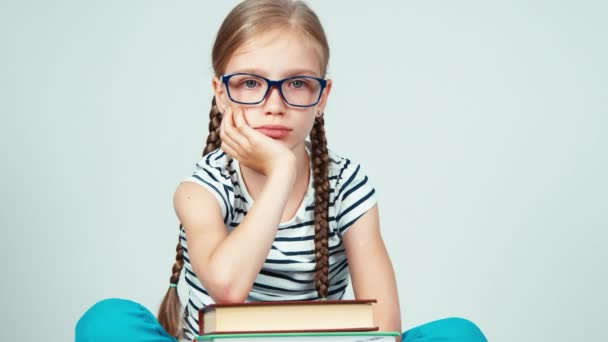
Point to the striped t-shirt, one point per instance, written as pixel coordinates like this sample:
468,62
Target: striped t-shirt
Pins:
287,273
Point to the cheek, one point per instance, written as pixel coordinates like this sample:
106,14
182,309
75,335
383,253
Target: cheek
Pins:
308,121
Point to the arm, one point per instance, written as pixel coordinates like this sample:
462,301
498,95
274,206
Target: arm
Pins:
371,270
227,264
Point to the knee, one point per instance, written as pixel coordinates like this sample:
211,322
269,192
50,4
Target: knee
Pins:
449,329
463,327
103,319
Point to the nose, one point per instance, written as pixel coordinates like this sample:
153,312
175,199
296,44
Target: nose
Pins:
274,103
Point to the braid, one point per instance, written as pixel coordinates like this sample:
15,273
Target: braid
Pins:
179,262
213,140
320,161
168,313
215,121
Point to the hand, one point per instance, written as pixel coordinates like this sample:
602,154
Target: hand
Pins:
252,148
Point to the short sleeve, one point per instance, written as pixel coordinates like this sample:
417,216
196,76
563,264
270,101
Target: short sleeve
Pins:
212,179
355,195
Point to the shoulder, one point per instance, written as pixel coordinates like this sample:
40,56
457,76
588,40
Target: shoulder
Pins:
214,166
212,173
344,170
353,192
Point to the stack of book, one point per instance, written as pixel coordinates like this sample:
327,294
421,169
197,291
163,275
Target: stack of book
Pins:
291,321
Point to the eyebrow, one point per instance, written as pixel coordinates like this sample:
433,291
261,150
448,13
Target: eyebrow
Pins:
289,73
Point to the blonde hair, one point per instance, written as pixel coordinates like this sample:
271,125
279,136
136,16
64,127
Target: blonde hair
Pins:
247,20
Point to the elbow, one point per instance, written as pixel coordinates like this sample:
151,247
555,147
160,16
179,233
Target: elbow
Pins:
222,286
227,293
226,290
227,296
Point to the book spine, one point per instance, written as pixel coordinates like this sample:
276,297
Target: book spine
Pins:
201,323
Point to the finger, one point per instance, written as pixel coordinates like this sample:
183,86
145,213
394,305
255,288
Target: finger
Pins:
229,150
242,124
235,133
224,120
227,142
239,123
245,118
226,129
228,139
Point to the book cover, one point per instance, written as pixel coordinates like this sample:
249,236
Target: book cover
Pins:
375,336
287,316
290,303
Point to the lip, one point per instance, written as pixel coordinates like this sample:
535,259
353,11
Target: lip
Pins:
274,131
279,127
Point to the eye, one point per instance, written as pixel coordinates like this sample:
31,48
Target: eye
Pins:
298,83
251,83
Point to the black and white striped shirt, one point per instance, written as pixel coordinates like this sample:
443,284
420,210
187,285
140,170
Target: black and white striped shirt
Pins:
287,273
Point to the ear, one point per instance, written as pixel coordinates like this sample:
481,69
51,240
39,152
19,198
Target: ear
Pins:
219,92
324,96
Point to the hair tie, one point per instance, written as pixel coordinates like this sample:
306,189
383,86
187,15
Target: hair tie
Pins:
172,285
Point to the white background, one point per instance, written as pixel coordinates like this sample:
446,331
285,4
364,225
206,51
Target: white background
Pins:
482,125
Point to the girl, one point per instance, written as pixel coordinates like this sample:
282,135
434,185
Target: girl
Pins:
268,215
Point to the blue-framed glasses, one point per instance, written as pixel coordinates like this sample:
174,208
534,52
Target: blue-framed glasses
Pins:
251,89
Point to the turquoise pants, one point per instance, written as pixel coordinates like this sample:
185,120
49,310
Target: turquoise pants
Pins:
119,320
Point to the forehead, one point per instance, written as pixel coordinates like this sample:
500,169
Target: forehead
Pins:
277,54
